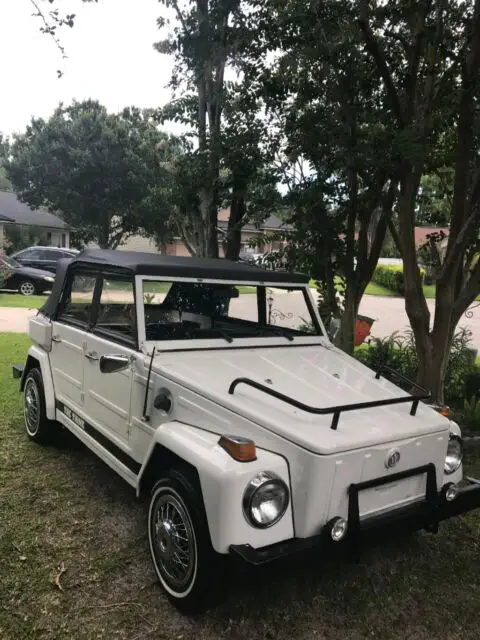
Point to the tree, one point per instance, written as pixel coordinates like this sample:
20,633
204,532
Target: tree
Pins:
101,172
207,35
250,179
52,21
323,95
5,184
427,56
434,202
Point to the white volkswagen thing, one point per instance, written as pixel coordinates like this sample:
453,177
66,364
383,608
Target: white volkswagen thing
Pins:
213,386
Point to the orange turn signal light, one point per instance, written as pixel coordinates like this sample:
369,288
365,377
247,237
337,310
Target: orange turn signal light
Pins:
444,411
240,449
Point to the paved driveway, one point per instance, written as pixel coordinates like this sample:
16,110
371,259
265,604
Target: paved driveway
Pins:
15,319
389,314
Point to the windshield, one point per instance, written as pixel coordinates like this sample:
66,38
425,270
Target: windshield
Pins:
191,310
10,262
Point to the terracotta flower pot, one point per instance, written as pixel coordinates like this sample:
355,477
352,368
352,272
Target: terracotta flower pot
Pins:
363,326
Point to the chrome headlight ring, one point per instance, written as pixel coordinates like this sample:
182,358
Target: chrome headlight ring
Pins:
454,457
265,500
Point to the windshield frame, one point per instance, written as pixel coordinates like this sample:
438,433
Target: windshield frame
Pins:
319,338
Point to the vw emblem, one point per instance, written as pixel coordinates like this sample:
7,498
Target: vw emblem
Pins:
393,457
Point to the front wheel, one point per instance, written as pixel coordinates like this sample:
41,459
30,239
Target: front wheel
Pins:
189,569
27,288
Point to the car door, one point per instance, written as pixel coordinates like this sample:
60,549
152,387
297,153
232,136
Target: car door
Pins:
49,258
69,341
107,395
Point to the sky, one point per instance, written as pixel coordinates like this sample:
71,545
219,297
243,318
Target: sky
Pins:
110,59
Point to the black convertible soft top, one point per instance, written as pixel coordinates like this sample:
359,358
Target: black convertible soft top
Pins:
154,264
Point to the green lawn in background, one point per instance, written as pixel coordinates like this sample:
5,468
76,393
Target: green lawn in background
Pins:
17,300
66,517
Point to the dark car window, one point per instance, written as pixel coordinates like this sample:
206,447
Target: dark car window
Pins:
51,254
29,254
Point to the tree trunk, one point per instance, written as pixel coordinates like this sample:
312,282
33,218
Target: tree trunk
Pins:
234,230
103,237
433,355
345,338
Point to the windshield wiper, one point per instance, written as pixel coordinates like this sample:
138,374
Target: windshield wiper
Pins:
281,332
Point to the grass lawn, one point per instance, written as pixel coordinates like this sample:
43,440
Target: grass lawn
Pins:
17,300
64,513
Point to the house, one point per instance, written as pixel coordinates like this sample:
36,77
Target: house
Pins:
250,240
54,231
421,234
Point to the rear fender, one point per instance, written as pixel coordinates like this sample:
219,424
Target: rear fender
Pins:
222,482
38,358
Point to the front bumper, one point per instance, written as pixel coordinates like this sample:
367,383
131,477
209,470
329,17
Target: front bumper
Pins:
426,514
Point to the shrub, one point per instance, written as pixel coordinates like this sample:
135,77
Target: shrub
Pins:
398,352
472,383
471,413
391,277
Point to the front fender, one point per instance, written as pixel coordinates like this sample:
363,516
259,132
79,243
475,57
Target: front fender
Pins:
37,357
223,481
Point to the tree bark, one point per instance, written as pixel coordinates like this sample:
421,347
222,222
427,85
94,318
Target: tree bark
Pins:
234,230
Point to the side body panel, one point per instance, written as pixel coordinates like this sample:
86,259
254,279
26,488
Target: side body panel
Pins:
107,396
67,361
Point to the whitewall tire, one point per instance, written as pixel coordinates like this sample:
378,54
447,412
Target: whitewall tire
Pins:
189,570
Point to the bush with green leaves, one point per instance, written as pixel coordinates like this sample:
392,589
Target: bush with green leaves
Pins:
398,352
471,413
472,383
391,277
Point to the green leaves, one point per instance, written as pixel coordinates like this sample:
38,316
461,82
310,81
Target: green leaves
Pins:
100,171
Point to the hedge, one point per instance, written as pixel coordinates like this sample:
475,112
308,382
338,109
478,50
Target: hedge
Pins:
391,277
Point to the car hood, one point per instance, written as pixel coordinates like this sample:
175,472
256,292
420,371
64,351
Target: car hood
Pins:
317,376
30,272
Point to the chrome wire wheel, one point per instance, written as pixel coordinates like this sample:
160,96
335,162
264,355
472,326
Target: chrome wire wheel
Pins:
31,407
27,288
173,542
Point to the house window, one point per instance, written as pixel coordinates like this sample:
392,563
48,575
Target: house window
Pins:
64,239
49,237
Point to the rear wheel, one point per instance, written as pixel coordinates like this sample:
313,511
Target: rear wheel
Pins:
39,428
27,288
190,571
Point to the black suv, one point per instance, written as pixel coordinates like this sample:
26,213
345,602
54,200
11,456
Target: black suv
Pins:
45,258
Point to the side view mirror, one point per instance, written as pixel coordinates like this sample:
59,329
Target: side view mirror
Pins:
113,363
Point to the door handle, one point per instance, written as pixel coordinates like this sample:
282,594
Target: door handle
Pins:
56,339
92,355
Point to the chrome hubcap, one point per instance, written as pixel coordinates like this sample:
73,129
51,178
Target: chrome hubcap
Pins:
27,288
174,541
31,407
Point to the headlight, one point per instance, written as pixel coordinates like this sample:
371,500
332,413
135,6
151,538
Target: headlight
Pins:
265,500
454,454
48,278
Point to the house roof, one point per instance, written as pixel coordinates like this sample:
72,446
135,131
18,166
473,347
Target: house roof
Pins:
12,210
